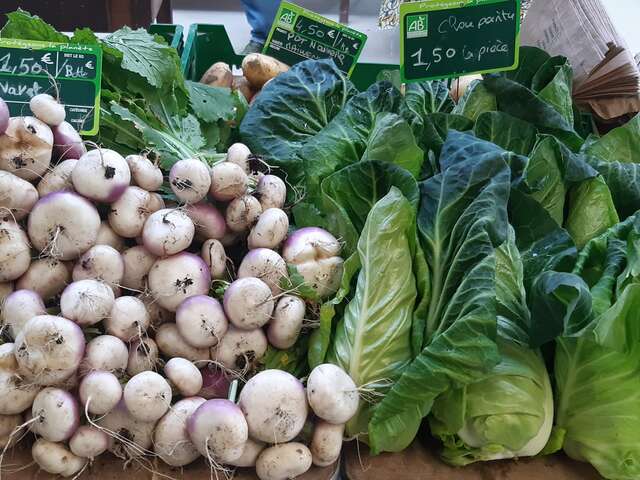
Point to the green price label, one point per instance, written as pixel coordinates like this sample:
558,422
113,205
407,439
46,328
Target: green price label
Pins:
71,71
450,38
298,34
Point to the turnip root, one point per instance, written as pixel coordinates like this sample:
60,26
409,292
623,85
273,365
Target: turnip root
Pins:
218,430
242,213
4,116
215,257
173,279
130,212
282,462
228,181
67,143
145,174
270,230
57,414
129,319
89,442
248,303
332,394
218,75
49,349
54,458
271,192
47,109
171,344
208,220
26,147
259,69
266,265
10,432
58,178
137,263
168,232
250,453
275,406
326,443
45,276
87,302
100,262
99,392
171,439
286,323
63,225
143,356
101,175
15,253
107,353
184,375
16,393
128,436
17,196
19,307
7,357
239,154
107,236
215,382
314,252
147,396
201,321
157,314
190,180
240,349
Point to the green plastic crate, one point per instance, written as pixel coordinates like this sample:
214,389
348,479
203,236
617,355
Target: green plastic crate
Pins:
207,44
172,33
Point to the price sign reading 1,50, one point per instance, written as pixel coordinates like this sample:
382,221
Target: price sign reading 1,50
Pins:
48,63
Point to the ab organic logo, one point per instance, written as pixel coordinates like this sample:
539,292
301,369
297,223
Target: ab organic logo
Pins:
418,25
287,18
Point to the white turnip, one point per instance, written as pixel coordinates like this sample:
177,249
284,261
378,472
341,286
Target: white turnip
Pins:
137,263
147,396
332,394
47,109
208,220
271,192
130,212
314,252
286,323
57,414
228,181
240,349
89,442
46,276
67,143
171,344
16,393
100,262
17,196
218,430
129,319
239,154
26,147
54,458
7,357
248,303
168,232
107,236
108,353
282,462
143,356
101,175
201,321
49,349
19,307
10,431
173,279
63,225
326,443
190,180
157,314
266,265
242,213
15,253
171,439
58,178
87,302
99,392
250,452
275,406
270,230
215,257
128,437
184,375
145,174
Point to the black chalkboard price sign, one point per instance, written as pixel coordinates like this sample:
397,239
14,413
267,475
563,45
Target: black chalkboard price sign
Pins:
298,34
72,71
449,38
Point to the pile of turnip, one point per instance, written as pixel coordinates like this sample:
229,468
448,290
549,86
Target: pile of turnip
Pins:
126,327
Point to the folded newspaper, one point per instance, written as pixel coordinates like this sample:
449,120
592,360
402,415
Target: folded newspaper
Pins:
606,74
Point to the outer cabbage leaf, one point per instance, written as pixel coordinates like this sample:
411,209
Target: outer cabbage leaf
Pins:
462,220
372,342
506,131
476,101
621,144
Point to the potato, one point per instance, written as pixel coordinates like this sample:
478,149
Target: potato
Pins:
259,69
218,75
241,84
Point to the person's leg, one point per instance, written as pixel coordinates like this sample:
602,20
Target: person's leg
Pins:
260,15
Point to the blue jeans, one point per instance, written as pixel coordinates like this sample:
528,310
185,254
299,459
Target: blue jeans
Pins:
260,15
